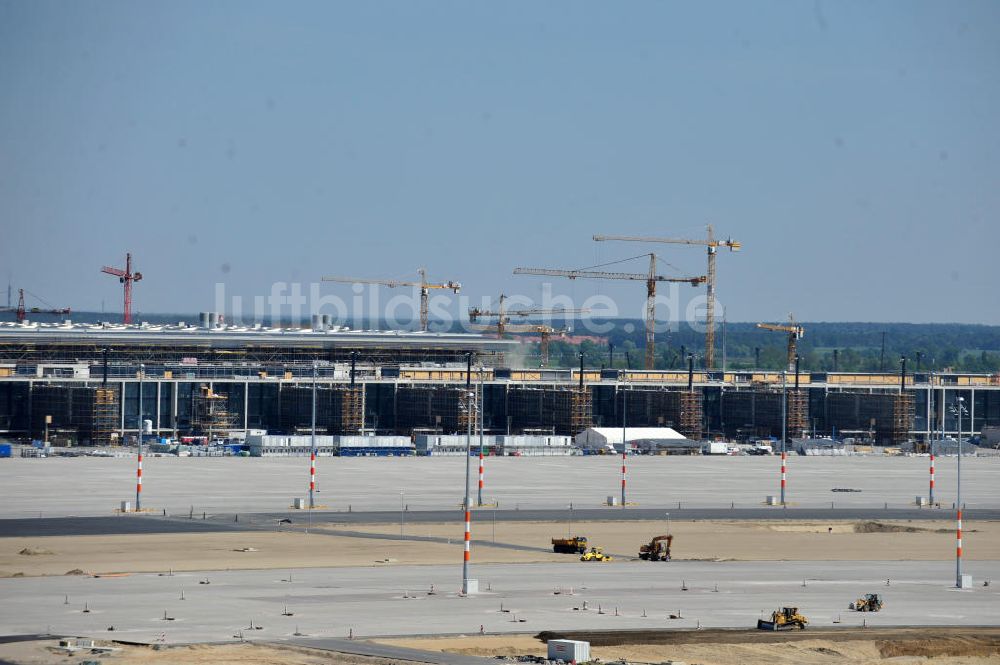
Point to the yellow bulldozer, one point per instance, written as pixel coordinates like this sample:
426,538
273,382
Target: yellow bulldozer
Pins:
595,554
658,549
870,602
784,619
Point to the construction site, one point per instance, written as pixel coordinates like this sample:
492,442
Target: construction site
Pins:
79,384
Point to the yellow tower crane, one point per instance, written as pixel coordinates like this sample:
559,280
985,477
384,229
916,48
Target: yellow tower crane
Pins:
423,284
651,279
712,245
795,333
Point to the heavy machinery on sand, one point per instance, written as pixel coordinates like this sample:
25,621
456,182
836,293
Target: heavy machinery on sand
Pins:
870,602
658,549
574,545
784,619
595,554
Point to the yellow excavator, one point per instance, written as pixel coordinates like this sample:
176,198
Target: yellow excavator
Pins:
658,549
595,554
784,619
870,602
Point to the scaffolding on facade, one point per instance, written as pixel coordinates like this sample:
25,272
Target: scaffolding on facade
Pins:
798,413
105,417
902,418
690,420
210,414
352,409
582,411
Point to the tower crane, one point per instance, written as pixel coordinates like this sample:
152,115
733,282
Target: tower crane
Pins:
651,279
423,284
503,323
795,333
712,245
503,316
126,277
544,332
21,311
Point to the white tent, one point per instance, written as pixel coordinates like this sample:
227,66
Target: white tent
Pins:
597,438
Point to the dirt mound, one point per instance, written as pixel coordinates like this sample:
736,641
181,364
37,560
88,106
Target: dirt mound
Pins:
35,551
940,646
879,527
75,571
7,573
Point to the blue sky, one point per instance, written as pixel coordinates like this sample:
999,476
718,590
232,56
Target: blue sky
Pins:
852,147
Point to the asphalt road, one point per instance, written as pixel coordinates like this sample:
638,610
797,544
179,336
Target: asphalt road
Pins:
150,524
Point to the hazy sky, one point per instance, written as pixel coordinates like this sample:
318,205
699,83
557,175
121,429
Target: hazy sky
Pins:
852,147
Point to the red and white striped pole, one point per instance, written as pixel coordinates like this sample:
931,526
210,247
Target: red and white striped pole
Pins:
784,476
471,406
958,548
623,474
931,497
138,481
138,471
312,478
480,476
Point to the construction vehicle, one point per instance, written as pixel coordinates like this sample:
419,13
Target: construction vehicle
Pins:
423,285
658,549
784,619
574,545
870,602
651,279
712,245
595,554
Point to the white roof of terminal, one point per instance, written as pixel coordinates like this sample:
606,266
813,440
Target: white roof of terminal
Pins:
181,332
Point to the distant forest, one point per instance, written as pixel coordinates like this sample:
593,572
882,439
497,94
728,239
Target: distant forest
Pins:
859,346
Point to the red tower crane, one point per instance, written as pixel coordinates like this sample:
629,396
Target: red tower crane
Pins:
126,277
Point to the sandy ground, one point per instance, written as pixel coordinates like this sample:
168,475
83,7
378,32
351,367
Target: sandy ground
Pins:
41,653
741,540
748,541
808,651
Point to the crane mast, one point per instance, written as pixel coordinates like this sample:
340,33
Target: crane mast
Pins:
712,246
126,277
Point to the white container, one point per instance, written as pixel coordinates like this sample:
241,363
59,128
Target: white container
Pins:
772,500
921,501
965,582
612,500
470,587
298,504
569,651
126,506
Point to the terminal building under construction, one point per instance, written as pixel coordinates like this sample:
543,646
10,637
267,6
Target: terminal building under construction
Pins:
77,384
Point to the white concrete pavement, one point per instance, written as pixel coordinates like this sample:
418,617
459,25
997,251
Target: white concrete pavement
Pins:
96,486
393,600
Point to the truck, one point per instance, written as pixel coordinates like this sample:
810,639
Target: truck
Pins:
574,545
